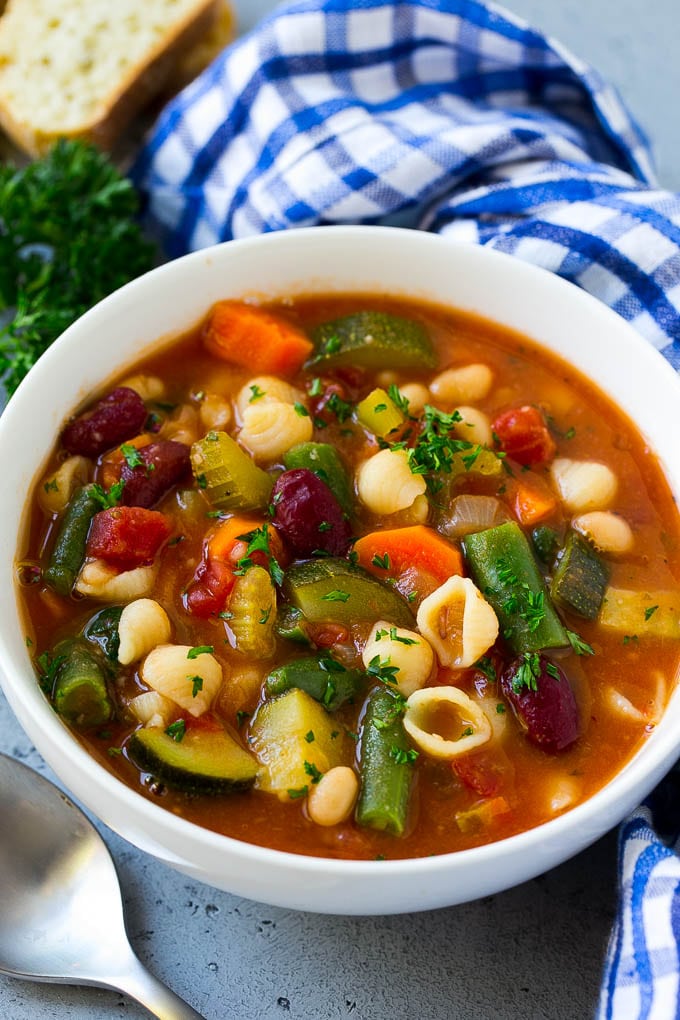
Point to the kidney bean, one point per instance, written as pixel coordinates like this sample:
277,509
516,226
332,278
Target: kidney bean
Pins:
543,701
116,417
308,515
164,463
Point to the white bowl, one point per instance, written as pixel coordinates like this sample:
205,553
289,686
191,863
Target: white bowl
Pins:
170,300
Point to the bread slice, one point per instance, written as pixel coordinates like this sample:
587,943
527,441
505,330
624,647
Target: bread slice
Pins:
84,68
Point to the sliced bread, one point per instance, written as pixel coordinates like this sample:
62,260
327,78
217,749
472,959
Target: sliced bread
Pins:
84,68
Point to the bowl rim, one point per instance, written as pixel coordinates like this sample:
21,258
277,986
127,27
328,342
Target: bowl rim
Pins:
27,701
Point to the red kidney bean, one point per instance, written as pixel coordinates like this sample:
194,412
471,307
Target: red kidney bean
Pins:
547,708
164,464
116,417
308,515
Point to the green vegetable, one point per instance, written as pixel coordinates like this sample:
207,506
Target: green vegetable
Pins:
546,543
372,340
654,614
252,605
325,461
290,624
68,552
580,578
68,237
379,414
229,477
333,589
385,766
80,693
504,569
102,630
326,680
200,762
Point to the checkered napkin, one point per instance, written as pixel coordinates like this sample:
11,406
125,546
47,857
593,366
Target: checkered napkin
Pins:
455,117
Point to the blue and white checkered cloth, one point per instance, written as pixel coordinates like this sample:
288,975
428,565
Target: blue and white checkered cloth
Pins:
454,116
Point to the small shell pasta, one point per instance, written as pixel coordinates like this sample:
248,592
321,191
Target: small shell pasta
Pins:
266,389
190,681
100,581
466,724
182,426
607,531
385,483
405,650
583,484
214,412
270,429
475,426
458,622
57,489
143,625
152,709
458,385
149,387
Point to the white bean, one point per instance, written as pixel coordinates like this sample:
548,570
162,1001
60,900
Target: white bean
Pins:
98,580
143,625
214,412
607,531
475,426
460,385
417,396
331,800
149,387
583,484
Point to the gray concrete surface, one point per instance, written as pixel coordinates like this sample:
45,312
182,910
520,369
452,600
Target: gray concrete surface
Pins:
532,952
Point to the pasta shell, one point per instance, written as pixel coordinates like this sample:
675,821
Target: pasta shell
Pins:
100,581
143,625
607,531
405,650
386,484
458,622
433,709
152,709
270,429
266,389
56,490
214,412
191,681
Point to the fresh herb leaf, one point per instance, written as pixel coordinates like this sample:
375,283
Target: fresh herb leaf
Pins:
177,730
132,455
196,684
197,650
383,562
309,736
241,717
649,612
313,772
486,667
108,498
578,645
336,596
528,673
403,757
296,794
257,394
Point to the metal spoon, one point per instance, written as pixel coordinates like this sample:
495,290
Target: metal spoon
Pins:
61,911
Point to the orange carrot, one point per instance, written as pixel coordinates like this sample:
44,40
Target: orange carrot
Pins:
255,339
111,463
410,553
534,499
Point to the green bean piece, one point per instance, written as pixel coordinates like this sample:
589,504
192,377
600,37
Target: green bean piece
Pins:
325,461
580,578
504,569
80,693
324,679
102,630
68,552
385,770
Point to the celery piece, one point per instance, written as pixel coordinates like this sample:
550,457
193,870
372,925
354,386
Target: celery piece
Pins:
641,614
280,737
80,693
227,475
201,762
68,551
504,569
385,774
379,414
252,605
332,687
326,463
580,578
372,340
332,589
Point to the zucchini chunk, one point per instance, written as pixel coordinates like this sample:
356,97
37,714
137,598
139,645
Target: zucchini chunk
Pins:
580,578
201,762
334,589
372,340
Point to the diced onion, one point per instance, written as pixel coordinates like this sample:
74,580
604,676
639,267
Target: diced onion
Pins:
468,514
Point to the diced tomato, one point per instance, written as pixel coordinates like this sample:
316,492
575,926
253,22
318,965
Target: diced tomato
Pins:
482,771
211,587
325,635
523,434
127,536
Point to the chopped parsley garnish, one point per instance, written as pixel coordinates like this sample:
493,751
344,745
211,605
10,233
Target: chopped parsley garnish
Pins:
336,596
296,794
329,693
486,667
382,670
397,399
51,486
197,650
258,541
309,736
528,673
132,456
552,670
628,638
312,771
257,394
177,730
325,526
381,561
649,612
241,717
379,408
403,757
332,345
108,498
49,667
301,409
331,665
339,407
316,387
265,614
500,708
196,684
402,640
579,646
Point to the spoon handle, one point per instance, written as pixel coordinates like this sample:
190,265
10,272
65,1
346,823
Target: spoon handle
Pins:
161,1002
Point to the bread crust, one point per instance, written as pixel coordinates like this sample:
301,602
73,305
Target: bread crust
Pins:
128,95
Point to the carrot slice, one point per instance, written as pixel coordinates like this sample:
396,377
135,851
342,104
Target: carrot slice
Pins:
408,553
112,462
255,339
533,498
